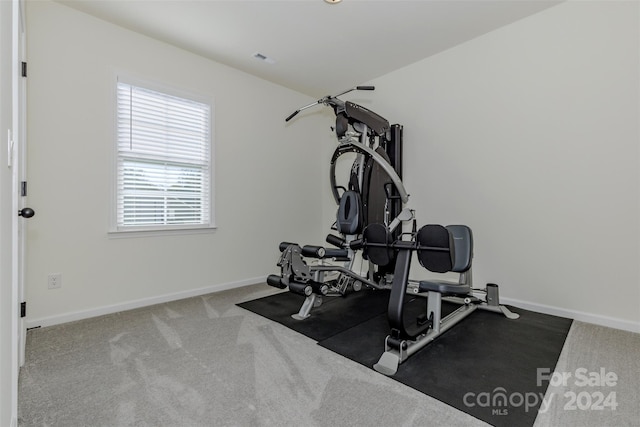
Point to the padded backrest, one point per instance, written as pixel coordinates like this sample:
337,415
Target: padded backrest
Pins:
463,242
377,244
436,251
349,217
443,249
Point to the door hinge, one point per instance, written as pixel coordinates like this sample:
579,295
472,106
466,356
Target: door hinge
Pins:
23,189
24,69
23,309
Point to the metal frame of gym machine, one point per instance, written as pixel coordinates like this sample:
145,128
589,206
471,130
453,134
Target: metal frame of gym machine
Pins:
377,167
378,148
408,336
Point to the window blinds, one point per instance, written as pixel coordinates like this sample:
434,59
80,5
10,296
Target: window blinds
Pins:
164,156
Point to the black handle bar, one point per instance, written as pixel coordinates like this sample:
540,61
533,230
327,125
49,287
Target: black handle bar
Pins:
327,100
292,115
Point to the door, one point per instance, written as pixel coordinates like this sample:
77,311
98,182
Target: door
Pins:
11,224
20,171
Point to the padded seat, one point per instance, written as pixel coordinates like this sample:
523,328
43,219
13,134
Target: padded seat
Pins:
444,287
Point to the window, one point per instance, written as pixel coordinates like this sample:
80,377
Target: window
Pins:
163,161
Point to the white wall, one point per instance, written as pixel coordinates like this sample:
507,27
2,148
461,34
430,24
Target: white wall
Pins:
529,135
266,183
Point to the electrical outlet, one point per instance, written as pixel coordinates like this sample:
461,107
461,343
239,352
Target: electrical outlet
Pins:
55,281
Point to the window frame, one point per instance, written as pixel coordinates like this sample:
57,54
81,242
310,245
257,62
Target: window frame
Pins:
116,230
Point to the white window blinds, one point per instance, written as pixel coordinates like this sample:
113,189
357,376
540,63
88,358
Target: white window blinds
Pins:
163,160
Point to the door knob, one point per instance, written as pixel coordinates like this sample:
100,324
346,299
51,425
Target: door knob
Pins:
26,212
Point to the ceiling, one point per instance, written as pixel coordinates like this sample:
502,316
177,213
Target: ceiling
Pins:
313,47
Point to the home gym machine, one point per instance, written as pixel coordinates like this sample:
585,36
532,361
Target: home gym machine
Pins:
374,194
439,250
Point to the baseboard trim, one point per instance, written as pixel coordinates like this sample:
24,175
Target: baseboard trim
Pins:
596,319
581,316
144,302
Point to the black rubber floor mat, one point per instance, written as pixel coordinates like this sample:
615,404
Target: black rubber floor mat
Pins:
486,366
334,315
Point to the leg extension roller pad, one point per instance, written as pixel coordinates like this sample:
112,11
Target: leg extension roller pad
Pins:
275,281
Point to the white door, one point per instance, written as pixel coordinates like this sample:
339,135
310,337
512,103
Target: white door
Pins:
19,193
13,118
20,171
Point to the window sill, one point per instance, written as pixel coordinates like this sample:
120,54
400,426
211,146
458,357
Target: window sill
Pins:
155,232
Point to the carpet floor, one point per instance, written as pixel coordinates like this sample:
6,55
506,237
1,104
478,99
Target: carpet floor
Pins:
204,361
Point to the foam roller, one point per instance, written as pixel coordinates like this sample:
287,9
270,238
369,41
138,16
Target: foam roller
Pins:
319,288
335,241
300,288
284,245
313,251
275,281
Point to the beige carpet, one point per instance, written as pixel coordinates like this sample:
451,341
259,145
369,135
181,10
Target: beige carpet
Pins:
205,362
